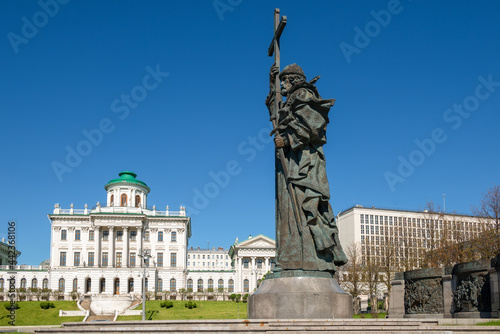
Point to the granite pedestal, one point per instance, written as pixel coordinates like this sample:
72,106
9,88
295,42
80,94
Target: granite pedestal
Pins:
300,298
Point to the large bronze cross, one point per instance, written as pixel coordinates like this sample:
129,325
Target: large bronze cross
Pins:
279,25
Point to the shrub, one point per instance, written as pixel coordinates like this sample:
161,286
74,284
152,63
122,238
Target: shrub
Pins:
190,305
9,306
232,297
47,305
245,297
167,304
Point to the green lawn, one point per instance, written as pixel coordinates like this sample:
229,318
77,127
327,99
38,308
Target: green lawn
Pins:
204,310
369,315
490,323
30,314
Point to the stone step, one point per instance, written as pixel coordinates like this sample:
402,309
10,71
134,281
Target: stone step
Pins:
355,326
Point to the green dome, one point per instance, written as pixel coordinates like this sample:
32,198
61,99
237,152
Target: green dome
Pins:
127,177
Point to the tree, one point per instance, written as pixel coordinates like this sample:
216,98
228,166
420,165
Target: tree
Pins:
371,270
489,211
351,281
431,217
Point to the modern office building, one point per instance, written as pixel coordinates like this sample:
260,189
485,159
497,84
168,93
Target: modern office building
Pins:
410,233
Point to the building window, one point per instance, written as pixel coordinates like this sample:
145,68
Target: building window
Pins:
91,235
105,235
75,284
273,263
173,285
118,259
146,236
132,259
200,285
210,285
61,285
362,229
91,259
77,235
130,285
102,285
146,261
159,258
133,235
62,259
230,286
246,285
34,283
123,200
105,259
259,263
173,236
245,263
111,200
63,234
173,259
45,284
146,283
160,235
159,285
137,201
23,283
220,286
119,235
190,285
77,259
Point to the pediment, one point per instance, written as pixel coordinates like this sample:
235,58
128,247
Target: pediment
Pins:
259,241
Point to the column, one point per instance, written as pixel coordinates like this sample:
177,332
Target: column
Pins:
139,248
97,255
240,276
153,237
267,265
84,239
254,276
125,259
111,256
54,249
70,256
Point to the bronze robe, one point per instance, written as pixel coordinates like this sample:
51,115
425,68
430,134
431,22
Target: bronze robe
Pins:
312,245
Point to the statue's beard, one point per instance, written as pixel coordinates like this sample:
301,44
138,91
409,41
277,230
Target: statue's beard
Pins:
284,92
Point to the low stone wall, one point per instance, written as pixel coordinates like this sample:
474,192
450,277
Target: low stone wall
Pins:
73,313
466,290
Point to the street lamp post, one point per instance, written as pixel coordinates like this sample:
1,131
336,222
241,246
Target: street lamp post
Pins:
145,255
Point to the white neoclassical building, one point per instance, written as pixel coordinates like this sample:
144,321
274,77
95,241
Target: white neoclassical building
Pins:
99,251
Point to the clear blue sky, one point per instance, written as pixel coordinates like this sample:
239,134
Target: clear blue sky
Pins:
396,71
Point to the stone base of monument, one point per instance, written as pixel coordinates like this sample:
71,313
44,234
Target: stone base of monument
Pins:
300,298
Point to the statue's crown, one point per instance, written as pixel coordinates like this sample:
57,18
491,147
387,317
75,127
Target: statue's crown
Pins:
292,69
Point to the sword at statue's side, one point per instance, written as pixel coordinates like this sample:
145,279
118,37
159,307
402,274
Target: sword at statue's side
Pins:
279,25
